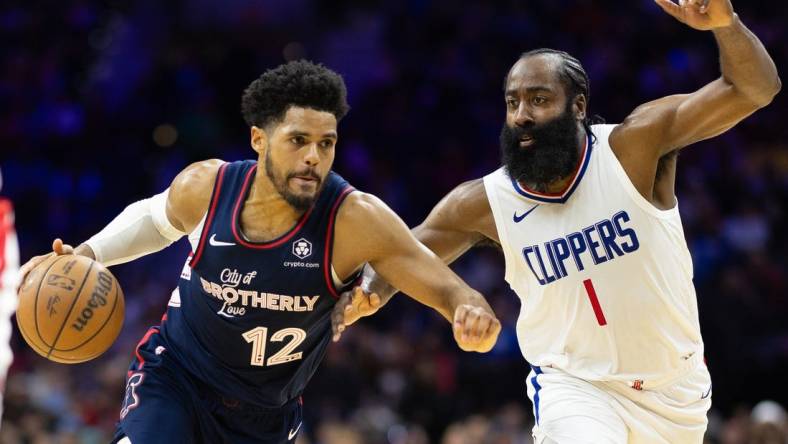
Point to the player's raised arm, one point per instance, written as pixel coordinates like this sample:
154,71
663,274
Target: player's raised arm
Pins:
748,82
149,225
384,241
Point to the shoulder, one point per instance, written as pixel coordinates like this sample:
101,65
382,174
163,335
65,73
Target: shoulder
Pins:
359,206
197,178
646,125
469,193
191,190
464,204
365,229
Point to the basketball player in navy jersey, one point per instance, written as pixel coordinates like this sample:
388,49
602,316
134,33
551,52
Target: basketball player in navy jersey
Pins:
274,242
588,222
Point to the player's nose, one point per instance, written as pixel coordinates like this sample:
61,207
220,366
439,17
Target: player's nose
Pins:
311,155
523,117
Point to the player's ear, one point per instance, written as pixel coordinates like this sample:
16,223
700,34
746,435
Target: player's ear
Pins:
259,139
579,107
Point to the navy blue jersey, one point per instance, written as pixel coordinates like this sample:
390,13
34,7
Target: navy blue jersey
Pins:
254,319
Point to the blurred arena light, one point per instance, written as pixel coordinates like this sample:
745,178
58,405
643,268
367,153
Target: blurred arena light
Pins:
165,135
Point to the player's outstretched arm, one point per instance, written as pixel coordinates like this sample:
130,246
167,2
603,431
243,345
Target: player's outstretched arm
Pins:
372,233
749,81
461,220
149,225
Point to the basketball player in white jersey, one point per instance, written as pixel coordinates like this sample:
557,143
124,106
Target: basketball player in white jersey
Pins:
9,268
589,225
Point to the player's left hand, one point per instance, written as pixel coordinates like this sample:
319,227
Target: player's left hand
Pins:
475,329
352,306
702,15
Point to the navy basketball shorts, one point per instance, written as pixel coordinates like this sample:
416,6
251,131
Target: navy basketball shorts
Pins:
164,404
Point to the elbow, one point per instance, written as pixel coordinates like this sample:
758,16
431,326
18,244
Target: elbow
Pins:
766,94
777,85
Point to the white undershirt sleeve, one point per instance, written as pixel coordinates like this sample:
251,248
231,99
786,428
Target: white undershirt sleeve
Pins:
140,229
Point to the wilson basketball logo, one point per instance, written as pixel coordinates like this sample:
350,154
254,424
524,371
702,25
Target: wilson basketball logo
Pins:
302,248
97,299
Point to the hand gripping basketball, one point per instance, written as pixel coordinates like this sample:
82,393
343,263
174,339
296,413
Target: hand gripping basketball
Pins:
58,248
475,329
71,307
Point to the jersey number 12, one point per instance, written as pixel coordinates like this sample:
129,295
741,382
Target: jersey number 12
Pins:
258,337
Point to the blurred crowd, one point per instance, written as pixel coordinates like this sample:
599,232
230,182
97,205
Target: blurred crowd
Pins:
104,102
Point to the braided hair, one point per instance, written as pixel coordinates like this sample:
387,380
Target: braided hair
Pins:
574,78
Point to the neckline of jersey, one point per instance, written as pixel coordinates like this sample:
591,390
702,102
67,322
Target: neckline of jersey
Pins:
236,223
562,196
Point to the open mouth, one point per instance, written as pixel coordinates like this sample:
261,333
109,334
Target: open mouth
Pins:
526,141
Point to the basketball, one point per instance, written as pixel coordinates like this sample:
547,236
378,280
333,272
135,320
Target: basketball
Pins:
71,309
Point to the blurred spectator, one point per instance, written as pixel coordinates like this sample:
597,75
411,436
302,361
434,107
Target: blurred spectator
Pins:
9,268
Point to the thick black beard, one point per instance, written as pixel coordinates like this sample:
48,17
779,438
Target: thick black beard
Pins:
299,203
553,154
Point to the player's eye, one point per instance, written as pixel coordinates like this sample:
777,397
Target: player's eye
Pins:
539,100
511,103
298,140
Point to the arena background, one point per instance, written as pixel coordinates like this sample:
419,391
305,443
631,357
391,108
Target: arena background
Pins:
104,102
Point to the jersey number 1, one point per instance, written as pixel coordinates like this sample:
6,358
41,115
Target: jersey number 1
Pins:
600,316
258,336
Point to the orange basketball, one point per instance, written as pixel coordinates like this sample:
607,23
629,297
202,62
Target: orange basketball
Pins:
71,309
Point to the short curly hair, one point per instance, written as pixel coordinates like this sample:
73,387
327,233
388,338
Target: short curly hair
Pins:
299,83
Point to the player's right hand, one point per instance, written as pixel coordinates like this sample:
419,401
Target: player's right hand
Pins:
58,248
475,329
702,15
352,306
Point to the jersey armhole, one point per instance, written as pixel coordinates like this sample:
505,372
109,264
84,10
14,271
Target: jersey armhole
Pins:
500,225
626,182
194,236
208,221
329,249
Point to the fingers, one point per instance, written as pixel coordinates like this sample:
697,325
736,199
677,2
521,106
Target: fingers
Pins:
702,5
475,329
354,310
338,316
671,8
60,248
363,304
457,326
351,307
28,266
360,301
679,11
374,301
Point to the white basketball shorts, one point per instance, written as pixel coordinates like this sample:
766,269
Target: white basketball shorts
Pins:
569,410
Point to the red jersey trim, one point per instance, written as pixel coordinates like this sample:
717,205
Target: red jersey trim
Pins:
209,219
329,246
261,245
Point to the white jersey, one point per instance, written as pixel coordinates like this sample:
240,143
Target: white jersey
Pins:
604,277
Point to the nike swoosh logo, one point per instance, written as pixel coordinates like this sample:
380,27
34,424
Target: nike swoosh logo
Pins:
292,434
518,219
216,243
706,395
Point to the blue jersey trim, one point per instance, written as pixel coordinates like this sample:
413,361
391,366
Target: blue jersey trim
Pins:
537,387
564,196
